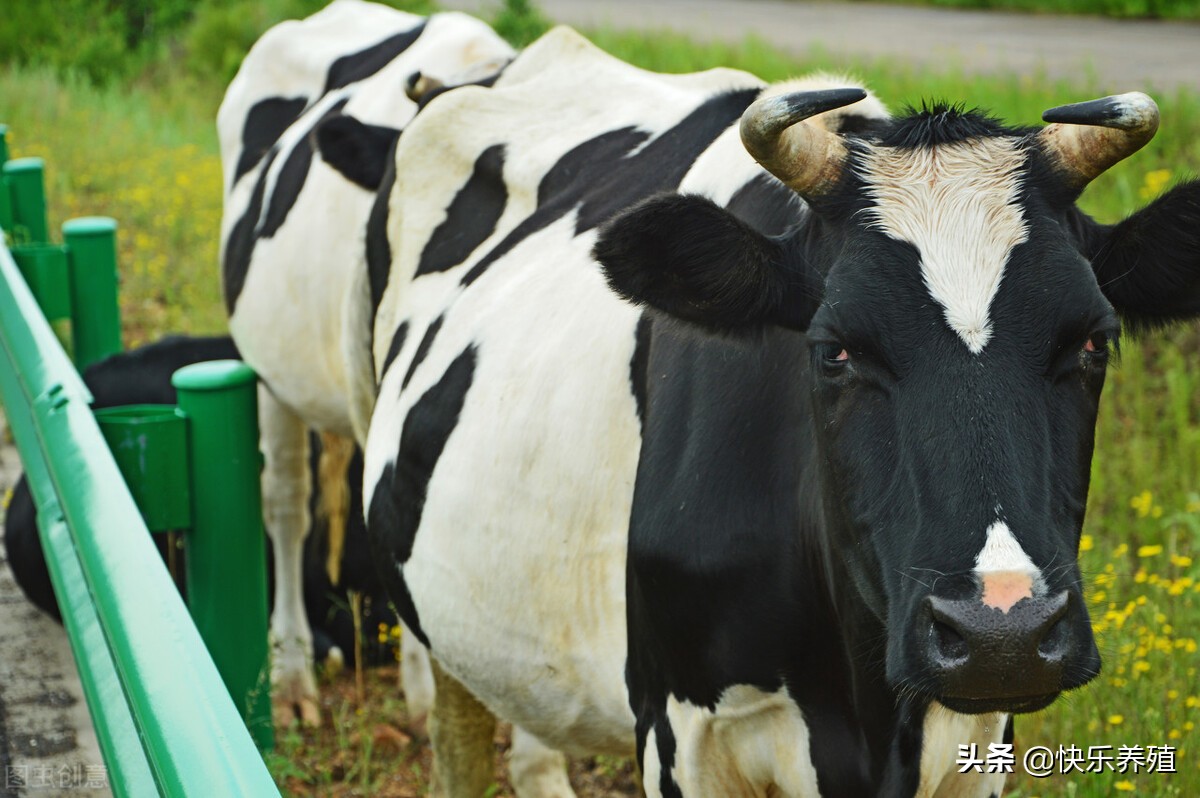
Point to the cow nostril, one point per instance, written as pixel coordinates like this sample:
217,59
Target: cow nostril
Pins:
1054,643
951,645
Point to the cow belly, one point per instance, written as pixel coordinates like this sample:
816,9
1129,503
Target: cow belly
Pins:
518,570
541,641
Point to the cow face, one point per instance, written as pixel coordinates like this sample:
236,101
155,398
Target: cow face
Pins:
959,337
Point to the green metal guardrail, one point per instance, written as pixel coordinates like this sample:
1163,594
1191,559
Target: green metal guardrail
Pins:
163,715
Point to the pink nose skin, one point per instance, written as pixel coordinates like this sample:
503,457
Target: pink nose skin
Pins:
1003,589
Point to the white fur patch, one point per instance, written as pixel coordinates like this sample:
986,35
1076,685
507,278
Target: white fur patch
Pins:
944,732
956,203
752,743
1002,552
651,767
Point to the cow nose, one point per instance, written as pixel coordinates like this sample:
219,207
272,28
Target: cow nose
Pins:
986,658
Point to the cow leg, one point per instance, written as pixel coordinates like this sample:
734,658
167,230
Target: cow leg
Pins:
461,730
535,770
334,502
416,678
286,489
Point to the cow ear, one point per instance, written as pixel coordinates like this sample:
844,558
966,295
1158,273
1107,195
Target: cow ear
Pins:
357,150
694,260
1148,266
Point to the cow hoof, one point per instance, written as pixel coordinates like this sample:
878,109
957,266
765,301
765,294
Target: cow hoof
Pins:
304,711
335,662
418,726
294,694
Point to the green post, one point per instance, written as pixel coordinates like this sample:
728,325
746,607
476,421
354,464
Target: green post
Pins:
6,220
226,549
27,190
150,445
96,324
44,267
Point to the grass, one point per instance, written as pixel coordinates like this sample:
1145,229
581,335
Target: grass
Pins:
144,151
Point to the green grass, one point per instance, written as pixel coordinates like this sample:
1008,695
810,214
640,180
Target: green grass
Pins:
144,151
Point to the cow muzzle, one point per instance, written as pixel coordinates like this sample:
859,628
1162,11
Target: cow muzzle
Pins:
1018,659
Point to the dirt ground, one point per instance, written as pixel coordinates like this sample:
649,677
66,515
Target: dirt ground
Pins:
369,748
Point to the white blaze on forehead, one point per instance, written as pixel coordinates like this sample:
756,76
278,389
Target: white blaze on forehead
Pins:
957,204
1005,571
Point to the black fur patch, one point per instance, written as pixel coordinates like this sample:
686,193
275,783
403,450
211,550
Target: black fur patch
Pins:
240,245
379,250
941,123
247,230
394,348
399,500
665,737
265,123
365,63
638,365
767,205
422,350
1148,265
694,260
471,217
357,151
291,177
604,175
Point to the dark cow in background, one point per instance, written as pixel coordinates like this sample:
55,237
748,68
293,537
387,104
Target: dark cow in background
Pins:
143,376
810,521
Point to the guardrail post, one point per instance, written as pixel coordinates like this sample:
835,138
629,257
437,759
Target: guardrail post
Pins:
44,267
92,254
226,549
150,445
27,192
6,220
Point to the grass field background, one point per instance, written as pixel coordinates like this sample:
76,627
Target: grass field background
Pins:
141,147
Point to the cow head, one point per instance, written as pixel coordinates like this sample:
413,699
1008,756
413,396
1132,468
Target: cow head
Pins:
960,313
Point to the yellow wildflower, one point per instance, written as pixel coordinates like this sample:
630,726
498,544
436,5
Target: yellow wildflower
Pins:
1150,551
1154,182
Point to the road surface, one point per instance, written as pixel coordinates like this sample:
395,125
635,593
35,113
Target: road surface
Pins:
47,745
1108,56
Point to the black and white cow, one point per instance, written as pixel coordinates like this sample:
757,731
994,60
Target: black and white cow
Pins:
810,521
295,281
303,272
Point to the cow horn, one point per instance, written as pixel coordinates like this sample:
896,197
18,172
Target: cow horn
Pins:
807,158
1087,138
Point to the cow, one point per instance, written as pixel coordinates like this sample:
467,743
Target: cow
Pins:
306,131
747,428
298,312
143,376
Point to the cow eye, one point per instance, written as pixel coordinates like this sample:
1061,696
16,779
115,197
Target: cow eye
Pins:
833,356
1097,345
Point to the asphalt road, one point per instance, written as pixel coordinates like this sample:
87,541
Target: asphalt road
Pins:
47,745
1106,56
